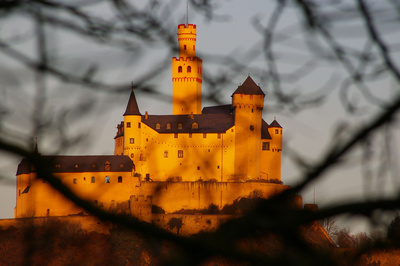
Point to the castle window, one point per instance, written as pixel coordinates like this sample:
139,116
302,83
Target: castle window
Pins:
265,146
75,181
93,179
128,124
281,131
168,126
132,155
107,180
204,135
184,47
194,47
251,127
165,154
176,135
120,179
219,135
276,131
217,166
132,141
198,167
180,69
158,126
180,153
179,126
107,166
138,125
189,69
19,193
195,125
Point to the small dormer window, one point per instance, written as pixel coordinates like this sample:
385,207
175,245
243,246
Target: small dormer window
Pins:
180,69
179,126
107,166
158,126
195,125
168,126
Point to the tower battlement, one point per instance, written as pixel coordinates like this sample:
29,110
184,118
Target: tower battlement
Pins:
186,59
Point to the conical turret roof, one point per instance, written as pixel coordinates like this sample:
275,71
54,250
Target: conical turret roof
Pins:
249,87
275,124
132,108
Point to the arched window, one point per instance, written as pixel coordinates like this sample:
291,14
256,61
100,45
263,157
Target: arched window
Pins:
168,126
180,69
107,179
195,125
189,69
120,179
93,179
179,126
158,126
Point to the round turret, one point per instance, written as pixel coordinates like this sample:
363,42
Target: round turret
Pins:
187,40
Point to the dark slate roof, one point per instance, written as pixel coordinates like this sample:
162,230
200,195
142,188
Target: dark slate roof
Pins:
275,124
91,163
249,87
220,109
207,123
132,107
264,130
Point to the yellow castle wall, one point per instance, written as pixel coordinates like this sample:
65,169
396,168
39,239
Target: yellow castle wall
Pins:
43,200
174,196
205,156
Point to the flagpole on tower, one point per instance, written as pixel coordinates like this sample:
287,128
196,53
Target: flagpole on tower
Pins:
187,13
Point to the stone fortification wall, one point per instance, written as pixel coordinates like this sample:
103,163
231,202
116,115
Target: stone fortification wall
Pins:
174,196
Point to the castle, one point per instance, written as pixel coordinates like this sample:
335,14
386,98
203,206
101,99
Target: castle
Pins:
188,160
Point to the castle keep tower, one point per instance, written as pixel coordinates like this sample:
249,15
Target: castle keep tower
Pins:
248,102
186,74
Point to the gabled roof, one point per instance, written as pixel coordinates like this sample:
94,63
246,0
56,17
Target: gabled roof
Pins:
249,87
132,107
264,130
69,164
207,123
275,124
219,109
